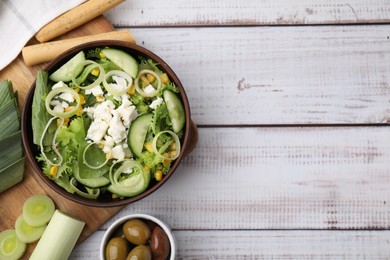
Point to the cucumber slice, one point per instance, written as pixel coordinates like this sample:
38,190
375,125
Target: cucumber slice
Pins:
27,233
123,60
137,133
38,210
175,110
11,248
90,182
70,69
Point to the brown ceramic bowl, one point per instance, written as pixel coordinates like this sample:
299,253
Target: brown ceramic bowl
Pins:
188,141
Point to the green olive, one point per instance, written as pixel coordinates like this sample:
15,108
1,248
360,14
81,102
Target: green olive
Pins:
141,252
136,231
117,248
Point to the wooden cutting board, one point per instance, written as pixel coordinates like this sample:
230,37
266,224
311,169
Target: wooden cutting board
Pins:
11,200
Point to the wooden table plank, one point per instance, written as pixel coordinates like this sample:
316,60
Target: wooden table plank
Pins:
249,12
259,244
279,75
278,178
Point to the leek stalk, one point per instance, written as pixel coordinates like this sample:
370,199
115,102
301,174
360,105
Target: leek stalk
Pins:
59,238
11,174
11,150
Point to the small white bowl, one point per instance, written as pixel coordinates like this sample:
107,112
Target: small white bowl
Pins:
117,223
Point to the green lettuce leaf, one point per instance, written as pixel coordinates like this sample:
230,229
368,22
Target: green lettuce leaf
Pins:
150,159
140,103
161,120
40,117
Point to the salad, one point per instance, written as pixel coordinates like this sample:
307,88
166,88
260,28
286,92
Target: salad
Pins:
107,124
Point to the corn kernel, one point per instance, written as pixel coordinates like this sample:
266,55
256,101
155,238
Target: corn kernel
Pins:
164,78
149,147
145,80
131,90
102,56
69,108
166,163
95,72
100,98
53,170
173,147
150,77
158,175
77,90
82,99
172,154
101,145
79,111
166,155
146,168
114,196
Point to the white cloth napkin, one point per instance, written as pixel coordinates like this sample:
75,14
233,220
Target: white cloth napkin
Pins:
21,19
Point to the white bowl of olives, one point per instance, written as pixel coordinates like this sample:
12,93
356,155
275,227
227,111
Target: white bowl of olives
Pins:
138,236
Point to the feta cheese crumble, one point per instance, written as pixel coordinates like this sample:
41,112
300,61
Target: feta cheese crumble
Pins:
117,130
97,130
156,103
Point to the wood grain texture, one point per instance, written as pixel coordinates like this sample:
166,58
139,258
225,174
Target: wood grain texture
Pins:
250,12
279,75
259,244
278,178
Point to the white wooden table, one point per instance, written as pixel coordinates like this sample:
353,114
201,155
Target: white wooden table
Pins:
292,101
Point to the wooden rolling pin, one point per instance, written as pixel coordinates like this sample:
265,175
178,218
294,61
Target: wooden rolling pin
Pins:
74,18
44,52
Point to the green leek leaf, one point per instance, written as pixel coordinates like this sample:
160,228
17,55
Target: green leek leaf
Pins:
11,149
12,174
9,118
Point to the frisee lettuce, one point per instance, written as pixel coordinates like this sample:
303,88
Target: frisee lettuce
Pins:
161,119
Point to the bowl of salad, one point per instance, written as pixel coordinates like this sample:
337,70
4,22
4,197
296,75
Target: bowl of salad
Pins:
107,123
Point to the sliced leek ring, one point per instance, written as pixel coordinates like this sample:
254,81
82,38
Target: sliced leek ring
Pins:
87,163
163,148
97,81
143,93
94,193
55,92
119,73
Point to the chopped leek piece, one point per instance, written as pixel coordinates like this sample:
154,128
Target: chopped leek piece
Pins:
11,174
162,149
89,68
59,238
38,210
99,157
50,96
11,248
128,184
11,149
27,233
